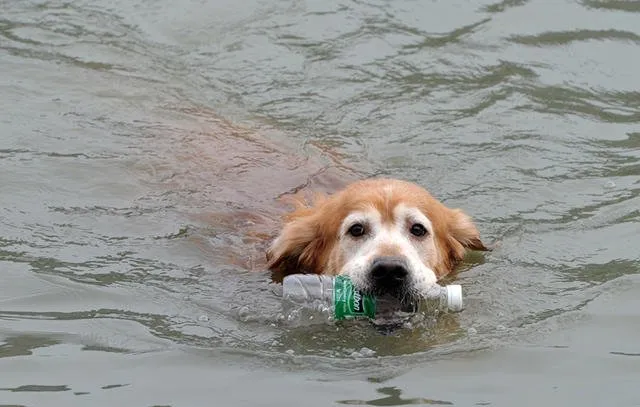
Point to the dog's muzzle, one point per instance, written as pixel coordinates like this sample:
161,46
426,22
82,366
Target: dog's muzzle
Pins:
389,275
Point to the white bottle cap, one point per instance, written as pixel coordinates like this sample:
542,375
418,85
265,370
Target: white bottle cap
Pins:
454,297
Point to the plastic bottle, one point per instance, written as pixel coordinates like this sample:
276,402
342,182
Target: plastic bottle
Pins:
337,297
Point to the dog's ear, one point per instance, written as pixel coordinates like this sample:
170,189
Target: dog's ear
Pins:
463,234
464,231
299,245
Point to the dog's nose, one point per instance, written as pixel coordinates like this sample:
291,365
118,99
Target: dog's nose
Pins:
388,273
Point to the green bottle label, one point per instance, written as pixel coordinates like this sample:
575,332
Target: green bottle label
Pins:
350,302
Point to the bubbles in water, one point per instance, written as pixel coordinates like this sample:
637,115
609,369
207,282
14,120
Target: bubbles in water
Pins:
363,353
243,313
293,316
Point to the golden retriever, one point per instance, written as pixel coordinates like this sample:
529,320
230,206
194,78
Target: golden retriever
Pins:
390,237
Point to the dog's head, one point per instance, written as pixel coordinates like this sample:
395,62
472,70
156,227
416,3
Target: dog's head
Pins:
389,236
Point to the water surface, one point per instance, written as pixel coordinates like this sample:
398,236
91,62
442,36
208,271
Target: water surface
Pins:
146,147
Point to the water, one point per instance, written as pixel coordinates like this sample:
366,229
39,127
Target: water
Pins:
145,148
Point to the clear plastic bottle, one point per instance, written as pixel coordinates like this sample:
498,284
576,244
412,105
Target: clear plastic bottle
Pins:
337,297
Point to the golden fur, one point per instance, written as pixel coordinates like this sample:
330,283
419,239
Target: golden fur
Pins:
312,240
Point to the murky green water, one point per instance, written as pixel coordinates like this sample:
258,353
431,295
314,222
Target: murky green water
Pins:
144,146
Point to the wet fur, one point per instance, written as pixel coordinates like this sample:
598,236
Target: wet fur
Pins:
310,238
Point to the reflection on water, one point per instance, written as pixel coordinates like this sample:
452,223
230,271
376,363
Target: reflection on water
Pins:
37,388
23,345
392,397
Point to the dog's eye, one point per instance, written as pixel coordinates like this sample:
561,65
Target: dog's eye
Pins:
356,230
418,230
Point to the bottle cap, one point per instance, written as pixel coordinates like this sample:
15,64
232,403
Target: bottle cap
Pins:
454,297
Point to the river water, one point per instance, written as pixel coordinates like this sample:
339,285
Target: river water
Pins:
145,147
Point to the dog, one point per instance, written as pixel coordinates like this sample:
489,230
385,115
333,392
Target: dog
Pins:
391,237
